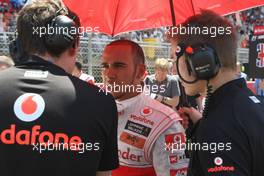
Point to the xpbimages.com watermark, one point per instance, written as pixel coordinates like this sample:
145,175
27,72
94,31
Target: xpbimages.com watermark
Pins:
213,31
51,30
212,147
75,147
147,89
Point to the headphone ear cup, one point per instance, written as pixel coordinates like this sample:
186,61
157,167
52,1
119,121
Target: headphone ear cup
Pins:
61,33
17,52
49,36
204,62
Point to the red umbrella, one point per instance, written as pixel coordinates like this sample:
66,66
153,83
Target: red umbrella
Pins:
116,16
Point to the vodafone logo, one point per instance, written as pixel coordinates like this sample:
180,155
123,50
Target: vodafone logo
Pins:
29,107
219,167
218,161
146,111
177,138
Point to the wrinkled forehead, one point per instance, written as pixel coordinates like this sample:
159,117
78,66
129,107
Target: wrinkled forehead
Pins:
118,53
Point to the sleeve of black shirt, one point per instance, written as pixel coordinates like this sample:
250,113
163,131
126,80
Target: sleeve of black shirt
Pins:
109,159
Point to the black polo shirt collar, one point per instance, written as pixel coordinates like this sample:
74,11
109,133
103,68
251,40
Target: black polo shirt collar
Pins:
39,63
226,89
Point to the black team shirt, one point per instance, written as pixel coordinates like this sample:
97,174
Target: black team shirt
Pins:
52,123
233,132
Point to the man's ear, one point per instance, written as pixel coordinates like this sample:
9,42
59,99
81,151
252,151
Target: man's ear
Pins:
141,70
76,44
73,51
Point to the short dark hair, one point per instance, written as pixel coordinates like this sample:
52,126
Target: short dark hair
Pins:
36,15
78,65
225,44
136,49
72,15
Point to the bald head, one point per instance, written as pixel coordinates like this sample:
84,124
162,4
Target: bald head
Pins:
135,50
5,62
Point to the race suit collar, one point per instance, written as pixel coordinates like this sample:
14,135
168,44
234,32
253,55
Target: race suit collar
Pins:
122,105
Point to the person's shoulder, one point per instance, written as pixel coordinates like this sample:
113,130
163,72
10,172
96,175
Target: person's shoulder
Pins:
11,72
176,77
89,90
244,97
161,109
248,114
248,108
172,78
97,98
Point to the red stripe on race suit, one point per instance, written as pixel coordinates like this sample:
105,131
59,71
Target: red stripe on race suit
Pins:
132,171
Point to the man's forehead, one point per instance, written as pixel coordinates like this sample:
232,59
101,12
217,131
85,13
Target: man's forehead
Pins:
118,51
119,47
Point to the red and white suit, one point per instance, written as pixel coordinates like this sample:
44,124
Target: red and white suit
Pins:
87,78
145,129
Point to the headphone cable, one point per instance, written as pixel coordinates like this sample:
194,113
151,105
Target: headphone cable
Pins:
207,99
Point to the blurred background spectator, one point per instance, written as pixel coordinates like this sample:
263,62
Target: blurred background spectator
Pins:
163,87
5,62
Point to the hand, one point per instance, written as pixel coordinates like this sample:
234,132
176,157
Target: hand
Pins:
156,97
159,98
191,113
153,95
185,119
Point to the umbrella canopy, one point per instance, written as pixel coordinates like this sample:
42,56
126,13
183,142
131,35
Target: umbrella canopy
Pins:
116,16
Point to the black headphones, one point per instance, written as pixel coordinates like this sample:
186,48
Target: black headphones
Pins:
16,51
201,60
63,35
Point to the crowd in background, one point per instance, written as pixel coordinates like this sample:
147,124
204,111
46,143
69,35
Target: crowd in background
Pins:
8,13
245,22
